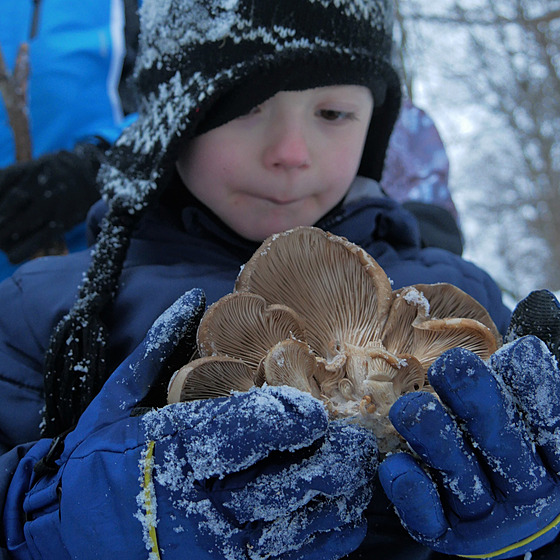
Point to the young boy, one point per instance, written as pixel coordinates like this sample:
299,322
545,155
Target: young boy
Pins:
255,117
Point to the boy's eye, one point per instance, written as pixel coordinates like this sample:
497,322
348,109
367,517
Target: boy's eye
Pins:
334,115
254,111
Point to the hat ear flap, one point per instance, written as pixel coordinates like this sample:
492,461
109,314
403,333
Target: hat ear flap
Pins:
380,128
75,365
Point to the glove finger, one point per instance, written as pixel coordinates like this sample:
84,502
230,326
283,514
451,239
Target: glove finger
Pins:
538,314
343,466
331,545
133,379
531,371
434,435
490,417
325,529
415,497
13,191
227,435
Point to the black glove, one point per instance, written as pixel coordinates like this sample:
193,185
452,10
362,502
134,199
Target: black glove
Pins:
42,199
538,314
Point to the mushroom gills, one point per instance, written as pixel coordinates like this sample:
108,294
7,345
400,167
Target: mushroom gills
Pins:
316,312
209,378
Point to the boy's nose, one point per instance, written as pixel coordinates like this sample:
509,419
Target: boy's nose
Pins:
286,148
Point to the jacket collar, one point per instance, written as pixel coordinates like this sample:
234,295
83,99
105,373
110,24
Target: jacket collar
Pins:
365,215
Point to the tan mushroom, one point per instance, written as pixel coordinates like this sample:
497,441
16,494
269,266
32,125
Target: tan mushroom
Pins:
242,325
291,362
427,319
316,312
338,289
208,378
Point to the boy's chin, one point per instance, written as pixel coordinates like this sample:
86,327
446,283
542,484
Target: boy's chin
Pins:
260,234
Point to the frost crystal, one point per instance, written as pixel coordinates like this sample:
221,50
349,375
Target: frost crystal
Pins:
414,297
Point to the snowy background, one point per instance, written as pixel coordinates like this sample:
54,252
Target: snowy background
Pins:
488,73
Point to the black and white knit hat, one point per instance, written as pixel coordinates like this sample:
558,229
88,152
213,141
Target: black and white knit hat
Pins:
202,63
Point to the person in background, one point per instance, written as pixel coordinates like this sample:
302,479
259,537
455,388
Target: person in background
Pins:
416,174
65,99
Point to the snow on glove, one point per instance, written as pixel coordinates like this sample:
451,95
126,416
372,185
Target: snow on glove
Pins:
43,198
487,485
262,474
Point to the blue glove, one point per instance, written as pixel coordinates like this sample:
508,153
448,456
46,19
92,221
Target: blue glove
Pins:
262,474
487,484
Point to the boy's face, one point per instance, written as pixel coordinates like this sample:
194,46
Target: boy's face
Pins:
285,164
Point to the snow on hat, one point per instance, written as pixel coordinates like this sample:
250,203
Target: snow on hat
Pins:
202,63
209,61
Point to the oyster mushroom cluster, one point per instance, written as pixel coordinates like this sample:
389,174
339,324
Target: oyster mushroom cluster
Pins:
315,311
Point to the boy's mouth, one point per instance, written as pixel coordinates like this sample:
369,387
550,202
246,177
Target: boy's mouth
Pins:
280,201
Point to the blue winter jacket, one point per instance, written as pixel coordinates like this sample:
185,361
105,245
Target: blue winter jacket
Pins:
171,252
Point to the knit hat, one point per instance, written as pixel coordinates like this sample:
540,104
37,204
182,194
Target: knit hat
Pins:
202,63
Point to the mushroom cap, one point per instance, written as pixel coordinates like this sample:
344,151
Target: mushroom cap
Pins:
292,363
316,312
427,319
209,378
447,300
242,325
338,289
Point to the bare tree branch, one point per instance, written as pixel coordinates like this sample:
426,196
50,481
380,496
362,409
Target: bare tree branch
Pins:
402,51
13,88
506,54
481,19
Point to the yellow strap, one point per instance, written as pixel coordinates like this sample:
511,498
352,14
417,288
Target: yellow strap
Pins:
518,544
148,486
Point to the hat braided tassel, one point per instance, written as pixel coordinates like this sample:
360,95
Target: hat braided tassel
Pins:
75,364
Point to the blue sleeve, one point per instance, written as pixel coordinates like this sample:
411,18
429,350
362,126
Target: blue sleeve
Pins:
21,378
9,463
33,300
